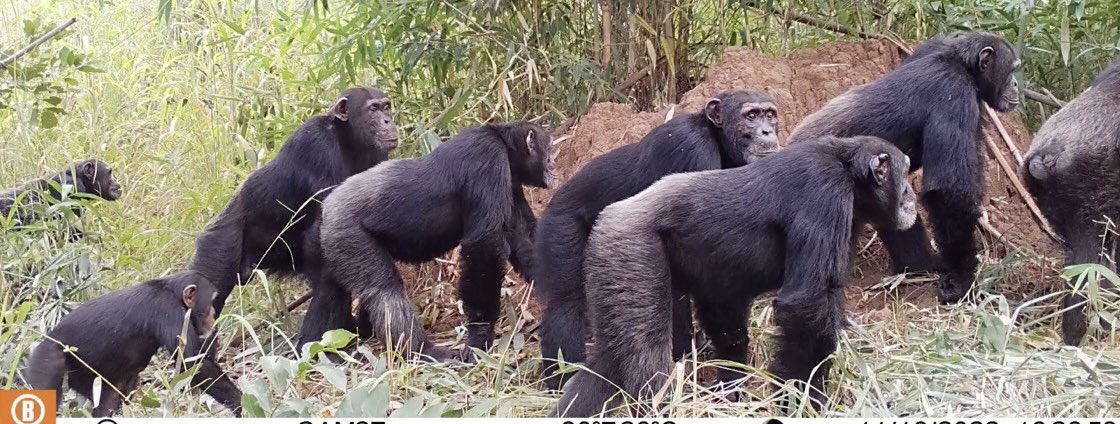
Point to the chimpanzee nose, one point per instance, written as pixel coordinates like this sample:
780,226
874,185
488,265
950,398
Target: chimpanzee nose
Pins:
767,132
386,121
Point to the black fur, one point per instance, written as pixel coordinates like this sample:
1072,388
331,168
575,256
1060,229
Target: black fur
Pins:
117,334
90,176
467,192
1073,168
930,109
264,224
783,223
688,143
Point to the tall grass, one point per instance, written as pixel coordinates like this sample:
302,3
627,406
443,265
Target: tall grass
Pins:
195,96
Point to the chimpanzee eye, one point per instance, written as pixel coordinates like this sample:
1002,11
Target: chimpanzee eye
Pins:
771,114
752,115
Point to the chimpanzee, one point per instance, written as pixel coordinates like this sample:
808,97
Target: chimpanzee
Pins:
467,192
930,109
1072,169
90,176
735,128
116,335
264,224
783,223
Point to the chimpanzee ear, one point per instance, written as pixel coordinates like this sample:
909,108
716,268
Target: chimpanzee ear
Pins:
89,170
188,296
711,111
531,143
880,167
339,110
984,60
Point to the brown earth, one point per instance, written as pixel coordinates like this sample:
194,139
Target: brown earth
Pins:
800,84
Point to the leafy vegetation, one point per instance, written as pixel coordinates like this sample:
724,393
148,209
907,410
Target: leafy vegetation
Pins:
186,98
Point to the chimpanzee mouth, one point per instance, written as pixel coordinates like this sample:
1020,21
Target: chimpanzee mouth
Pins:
389,142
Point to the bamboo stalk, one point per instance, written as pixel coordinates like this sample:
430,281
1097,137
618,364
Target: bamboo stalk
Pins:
8,61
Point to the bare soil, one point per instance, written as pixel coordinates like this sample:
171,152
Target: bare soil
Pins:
800,84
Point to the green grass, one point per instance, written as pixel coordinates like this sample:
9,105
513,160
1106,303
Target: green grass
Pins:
187,108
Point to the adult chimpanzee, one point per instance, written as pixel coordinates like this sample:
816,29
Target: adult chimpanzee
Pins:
116,335
930,109
90,176
467,192
1072,168
264,225
735,128
783,223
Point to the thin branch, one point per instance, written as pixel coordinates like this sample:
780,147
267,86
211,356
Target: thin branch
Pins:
622,86
8,61
1014,177
1044,97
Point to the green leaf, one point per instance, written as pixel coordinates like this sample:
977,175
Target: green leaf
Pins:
279,371
365,402
90,69
338,339
411,408
484,408
334,375
149,400
48,119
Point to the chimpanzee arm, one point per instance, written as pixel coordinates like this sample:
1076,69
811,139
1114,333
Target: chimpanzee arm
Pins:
487,205
522,230
952,189
810,306
209,376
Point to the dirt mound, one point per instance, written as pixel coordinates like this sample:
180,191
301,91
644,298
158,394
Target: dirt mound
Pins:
801,84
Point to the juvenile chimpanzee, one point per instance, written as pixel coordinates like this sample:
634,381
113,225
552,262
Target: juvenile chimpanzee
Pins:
1073,168
116,335
930,109
90,176
735,128
783,223
264,224
467,192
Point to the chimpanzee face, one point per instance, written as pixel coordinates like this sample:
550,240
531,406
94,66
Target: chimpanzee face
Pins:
532,162
995,66
369,113
97,179
749,122
199,299
887,195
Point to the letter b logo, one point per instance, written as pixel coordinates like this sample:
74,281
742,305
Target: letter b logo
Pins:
27,407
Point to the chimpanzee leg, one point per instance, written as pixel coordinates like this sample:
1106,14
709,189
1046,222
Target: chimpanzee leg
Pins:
329,310
480,288
954,217
726,323
909,249
810,326
111,401
1084,248
682,324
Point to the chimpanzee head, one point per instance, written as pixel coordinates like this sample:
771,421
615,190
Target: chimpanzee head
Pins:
198,296
883,193
529,148
368,113
96,177
992,63
748,123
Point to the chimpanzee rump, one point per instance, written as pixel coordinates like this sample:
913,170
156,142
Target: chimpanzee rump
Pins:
930,109
90,176
783,223
117,334
735,128
467,192
1073,168
264,224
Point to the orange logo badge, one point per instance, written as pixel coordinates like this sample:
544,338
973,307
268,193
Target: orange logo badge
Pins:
27,407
